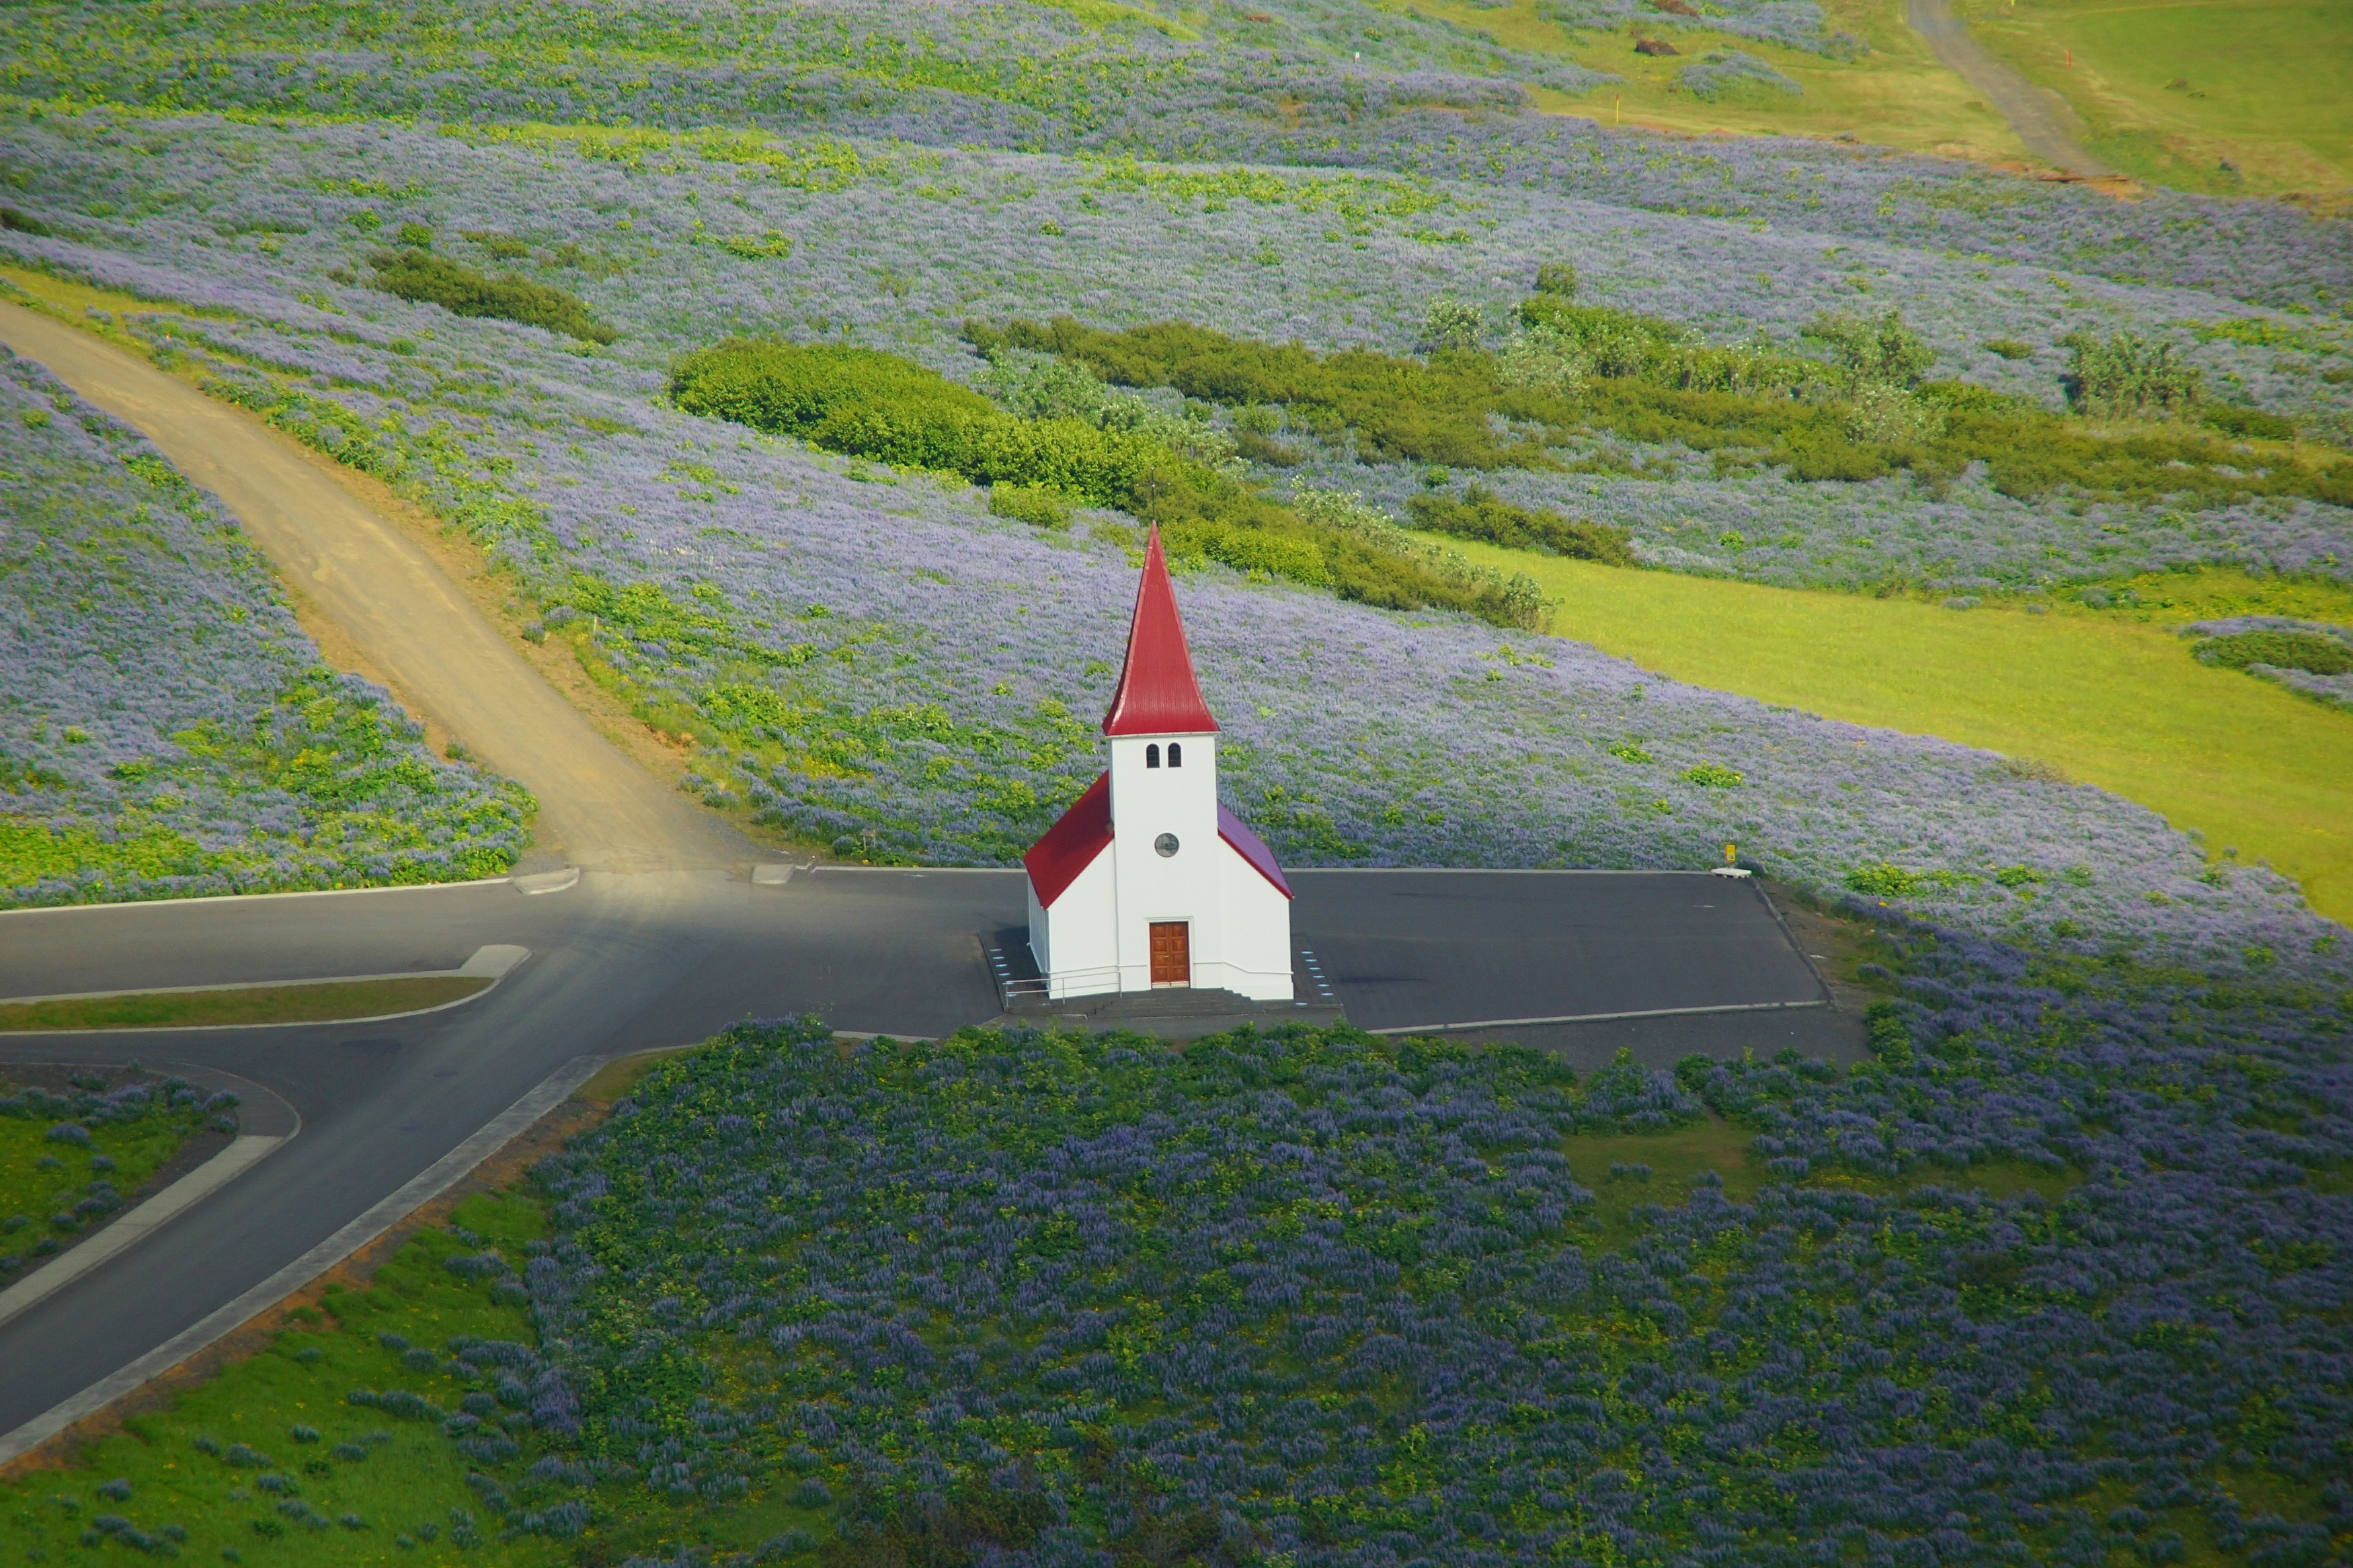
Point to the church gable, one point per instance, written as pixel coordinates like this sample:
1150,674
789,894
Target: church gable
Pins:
1252,848
1070,845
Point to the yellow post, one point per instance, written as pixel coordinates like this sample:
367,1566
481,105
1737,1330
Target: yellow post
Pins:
1731,853
1617,109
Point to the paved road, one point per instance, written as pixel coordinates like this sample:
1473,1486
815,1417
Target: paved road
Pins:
665,938
2042,118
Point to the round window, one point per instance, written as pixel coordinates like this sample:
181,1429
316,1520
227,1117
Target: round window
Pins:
1166,844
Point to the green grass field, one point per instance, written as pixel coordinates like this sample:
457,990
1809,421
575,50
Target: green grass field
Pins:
373,1498
2267,84
1678,1157
2263,83
2111,698
1897,95
38,1178
246,1005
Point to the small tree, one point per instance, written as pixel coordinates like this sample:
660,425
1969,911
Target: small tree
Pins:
2127,378
1558,278
1545,359
1882,352
1452,324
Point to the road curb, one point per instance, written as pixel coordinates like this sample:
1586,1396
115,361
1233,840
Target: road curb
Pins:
241,1155
428,1184
231,899
493,963
1601,1018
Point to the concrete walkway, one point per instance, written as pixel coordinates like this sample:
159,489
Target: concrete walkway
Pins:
2042,119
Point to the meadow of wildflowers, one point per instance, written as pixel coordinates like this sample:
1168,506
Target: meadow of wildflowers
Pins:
166,729
885,666
2060,1275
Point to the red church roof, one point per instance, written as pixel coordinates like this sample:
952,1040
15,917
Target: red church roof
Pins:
1252,848
1072,844
1157,693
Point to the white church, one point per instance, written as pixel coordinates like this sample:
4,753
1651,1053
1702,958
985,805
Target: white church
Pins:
1147,882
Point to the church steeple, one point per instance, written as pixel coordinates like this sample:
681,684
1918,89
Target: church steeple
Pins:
1147,881
1157,694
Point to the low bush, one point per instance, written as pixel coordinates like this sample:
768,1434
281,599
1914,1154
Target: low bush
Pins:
1881,350
2127,378
875,405
1480,514
1032,504
2312,652
1577,369
2247,423
1400,409
461,291
1452,324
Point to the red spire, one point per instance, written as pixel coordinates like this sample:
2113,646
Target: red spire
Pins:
1157,694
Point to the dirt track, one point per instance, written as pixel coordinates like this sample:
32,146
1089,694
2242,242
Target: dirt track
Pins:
404,616
2043,120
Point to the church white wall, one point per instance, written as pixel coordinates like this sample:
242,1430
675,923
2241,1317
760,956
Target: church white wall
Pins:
1144,804
1257,921
1097,938
1080,953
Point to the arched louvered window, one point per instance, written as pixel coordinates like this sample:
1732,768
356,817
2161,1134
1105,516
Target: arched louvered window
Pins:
1152,755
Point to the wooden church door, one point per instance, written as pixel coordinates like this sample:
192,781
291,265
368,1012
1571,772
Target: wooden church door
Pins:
1172,953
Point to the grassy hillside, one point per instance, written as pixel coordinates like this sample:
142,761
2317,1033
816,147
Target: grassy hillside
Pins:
2109,698
2171,91
1896,95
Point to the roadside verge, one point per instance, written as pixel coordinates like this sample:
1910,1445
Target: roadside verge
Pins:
430,1183
488,964
275,1123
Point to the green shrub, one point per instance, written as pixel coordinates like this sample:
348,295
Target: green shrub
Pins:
2246,424
435,279
1452,324
1544,360
1884,880
1875,351
501,246
1886,415
1401,409
1266,449
1890,1042
1628,751
772,246
1558,278
1713,775
416,236
2010,348
24,223
1481,515
1032,504
2314,652
2127,378
1649,381
869,404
